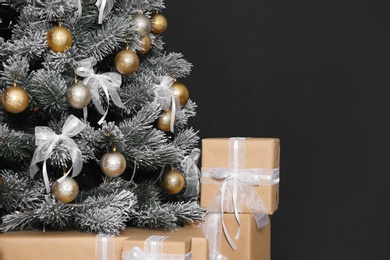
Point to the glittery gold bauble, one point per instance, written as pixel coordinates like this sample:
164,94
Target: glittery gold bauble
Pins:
159,23
172,181
126,62
78,95
59,39
164,121
142,25
113,164
66,190
147,42
181,91
15,99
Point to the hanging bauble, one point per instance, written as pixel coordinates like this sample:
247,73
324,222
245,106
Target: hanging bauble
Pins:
113,164
78,95
142,25
59,39
15,99
180,90
172,181
159,23
66,190
164,121
126,62
146,44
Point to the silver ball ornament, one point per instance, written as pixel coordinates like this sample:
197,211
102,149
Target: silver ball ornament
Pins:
143,25
78,95
113,164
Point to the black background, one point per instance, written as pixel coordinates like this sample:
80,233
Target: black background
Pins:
315,75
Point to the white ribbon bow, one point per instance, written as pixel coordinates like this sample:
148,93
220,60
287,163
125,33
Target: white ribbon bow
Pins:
108,81
192,173
153,249
104,7
164,97
236,190
78,4
46,140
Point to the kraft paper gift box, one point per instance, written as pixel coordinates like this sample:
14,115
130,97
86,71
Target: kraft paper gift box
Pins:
258,155
58,245
185,243
76,245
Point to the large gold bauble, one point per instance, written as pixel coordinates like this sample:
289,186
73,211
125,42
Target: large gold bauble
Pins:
78,95
164,121
126,62
180,90
113,164
66,190
59,39
147,43
172,181
159,23
15,99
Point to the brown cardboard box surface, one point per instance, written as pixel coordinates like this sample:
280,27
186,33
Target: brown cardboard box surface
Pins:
75,245
259,153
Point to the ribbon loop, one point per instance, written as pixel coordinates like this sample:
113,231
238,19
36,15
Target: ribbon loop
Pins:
46,140
104,7
109,82
192,173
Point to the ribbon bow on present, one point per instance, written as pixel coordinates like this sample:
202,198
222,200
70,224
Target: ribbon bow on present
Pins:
153,251
235,192
109,82
46,140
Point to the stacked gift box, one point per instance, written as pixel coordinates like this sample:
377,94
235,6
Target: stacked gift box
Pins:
239,188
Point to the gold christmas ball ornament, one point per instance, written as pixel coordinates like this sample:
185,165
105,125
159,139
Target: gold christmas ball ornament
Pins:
66,190
146,44
59,39
126,62
172,181
159,23
164,121
78,95
113,164
15,99
180,90
143,25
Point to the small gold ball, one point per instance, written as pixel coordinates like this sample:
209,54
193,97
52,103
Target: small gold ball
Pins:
147,42
180,90
164,121
15,99
65,191
113,164
78,95
126,62
59,39
159,23
172,181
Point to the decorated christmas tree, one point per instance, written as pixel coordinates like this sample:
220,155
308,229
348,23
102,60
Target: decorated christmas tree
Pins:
94,131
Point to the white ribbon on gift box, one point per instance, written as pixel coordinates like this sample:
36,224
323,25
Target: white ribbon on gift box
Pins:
235,192
46,139
109,82
104,247
153,251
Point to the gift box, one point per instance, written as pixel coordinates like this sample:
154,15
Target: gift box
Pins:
76,245
254,160
185,243
253,244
